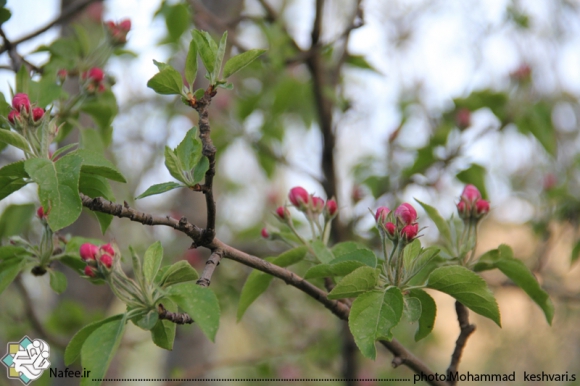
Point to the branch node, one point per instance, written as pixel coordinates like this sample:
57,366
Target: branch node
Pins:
397,361
175,317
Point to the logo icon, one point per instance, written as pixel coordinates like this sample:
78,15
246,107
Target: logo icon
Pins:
26,360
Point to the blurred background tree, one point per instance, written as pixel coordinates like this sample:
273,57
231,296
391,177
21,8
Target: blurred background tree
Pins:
373,103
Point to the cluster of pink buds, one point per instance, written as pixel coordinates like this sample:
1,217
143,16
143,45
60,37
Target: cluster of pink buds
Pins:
23,111
471,206
300,198
118,31
98,259
400,224
94,80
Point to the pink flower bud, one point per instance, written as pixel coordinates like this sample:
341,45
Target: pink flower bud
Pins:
410,231
462,209
40,213
62,74
21,101
331,207
391,229
381,214
265,233
281,212
88,251
317,204
37,113
125,25
106,260
470,194
95,74
550,180
463,118
90,271
298,196
406,213
111,25
107,248
357,194
13,115
481,207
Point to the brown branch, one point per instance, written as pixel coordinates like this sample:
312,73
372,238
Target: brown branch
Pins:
99,204
65,15
175,317
210,266
466,330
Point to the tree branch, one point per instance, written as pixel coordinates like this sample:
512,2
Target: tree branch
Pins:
175,317
210,266
466,330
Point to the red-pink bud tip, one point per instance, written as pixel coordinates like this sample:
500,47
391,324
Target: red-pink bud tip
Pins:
37,113
107,248
90,271
381,214
406,213
40,213
391,229
481,207
265,233
13,115
21,101
125,25
463,118
88,251
317,204
281,212
470,194
106,260
95,74
410,231
331,207
298,196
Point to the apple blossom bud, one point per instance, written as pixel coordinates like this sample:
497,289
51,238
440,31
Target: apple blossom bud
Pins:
265,233
62,74
331,207
550,180
390,228
381,214
470,194
13,115
406,214
107,248
37,113
410,231
317,204
40,213
281,212
125,25
357,194
21,101
88,251
481,207
90,271
95,74
463,118
462,209
298,196
106,260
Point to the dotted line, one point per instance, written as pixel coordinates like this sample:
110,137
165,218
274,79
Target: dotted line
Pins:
251,379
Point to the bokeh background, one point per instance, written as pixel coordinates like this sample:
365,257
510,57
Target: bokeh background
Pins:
425,96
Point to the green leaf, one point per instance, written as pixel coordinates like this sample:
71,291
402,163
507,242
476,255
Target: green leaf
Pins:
14,139
177,273
428,313
58,186
57,281
8,271
137,267
290,257
147,321
372,316
9,251
322,252
166,82
201,304
160,66
172,164
361,280
475,175
15,219
5,15
205,51
9,185
102,110
359,61
73,349
99,349
152,261
440,223
346,247
159,188
163,333
365,256
189,150
177,20
412,308
220,53
95,163
517,271
191,63
575,252
468,288
256,284
200,169
240,61
22,80
15,170
411,252
337,269
97,186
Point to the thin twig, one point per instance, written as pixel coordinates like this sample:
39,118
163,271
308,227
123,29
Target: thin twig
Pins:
466,330
175,317
210,266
